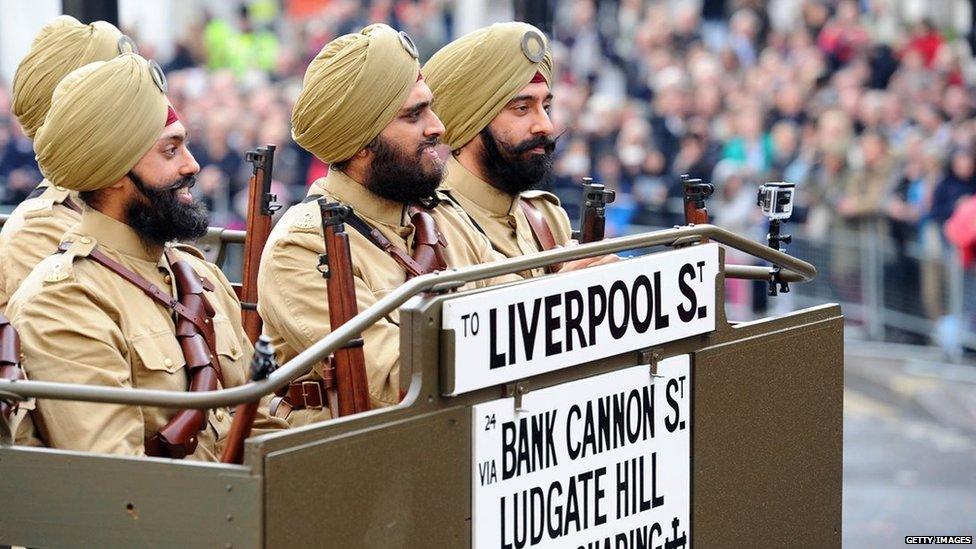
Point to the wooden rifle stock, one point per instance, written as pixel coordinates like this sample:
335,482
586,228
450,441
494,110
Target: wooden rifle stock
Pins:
351,390
260,209
593,211
695,193
262,364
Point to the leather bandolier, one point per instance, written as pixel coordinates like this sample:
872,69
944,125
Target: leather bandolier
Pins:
9,361
540,229
198,341
427,257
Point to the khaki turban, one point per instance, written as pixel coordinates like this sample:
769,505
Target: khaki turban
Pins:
353,88
62,46
475,76
104,117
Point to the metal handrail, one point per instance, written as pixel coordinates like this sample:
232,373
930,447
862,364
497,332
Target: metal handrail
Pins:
796,269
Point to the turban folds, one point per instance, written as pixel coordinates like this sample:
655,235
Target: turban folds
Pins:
474,77
104,117
352,89
60,47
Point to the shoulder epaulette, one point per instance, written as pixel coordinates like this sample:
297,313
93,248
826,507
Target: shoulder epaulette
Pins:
61,266
189,249
545,195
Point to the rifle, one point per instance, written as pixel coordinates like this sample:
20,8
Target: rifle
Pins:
9,362
262,364
349,394
593,212
695,193
260,208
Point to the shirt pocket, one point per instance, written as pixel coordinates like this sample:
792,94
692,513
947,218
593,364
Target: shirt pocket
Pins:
230,352
159,362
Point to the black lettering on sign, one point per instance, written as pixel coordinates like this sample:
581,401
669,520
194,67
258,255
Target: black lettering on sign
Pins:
574,319
596,294
553,320
687,314
528,444
618,288
672,424
642,324
530,327
661,320
511,334
497,359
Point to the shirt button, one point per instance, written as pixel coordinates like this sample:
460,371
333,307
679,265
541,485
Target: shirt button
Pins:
235,349
219,415
168,362
85,240
167,279
59,187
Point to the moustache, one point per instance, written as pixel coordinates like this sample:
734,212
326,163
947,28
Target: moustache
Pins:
430,142
187,182
547,143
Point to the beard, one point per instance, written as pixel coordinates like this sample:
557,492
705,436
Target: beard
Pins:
162,218
509,167
400,176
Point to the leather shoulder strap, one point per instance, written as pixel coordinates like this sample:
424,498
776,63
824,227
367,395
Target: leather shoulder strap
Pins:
148,288
541,230
377,239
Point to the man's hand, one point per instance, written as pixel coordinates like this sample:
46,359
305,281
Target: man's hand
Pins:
578,264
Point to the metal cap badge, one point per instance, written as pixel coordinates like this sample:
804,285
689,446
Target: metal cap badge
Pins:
533,46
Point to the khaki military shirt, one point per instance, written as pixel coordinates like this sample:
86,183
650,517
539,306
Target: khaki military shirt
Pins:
292,293
499,215
81,323
31,233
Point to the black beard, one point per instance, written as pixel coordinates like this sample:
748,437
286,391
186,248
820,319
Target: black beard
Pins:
400,177
161,218
508,169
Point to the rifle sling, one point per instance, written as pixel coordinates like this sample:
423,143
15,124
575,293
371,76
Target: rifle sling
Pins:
540,229
150,289
378,240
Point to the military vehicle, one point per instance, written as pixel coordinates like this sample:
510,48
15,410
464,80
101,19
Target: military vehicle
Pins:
613,407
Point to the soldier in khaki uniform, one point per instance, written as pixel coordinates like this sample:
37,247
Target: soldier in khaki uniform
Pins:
36,226
492,91
364,110
111,135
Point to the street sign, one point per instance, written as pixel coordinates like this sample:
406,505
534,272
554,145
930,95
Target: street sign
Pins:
599,462
548,324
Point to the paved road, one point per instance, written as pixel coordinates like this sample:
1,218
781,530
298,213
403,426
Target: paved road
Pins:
909,449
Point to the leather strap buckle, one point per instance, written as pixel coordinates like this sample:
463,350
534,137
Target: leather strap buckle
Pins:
312,395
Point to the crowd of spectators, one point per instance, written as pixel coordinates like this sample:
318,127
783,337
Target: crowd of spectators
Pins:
870,113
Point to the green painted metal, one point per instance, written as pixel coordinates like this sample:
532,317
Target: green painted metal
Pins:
766,457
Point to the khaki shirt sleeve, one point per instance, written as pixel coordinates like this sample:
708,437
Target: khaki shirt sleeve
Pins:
20,254
295,298
68,335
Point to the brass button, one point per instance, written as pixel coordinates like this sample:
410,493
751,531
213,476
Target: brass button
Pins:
219,415
59,187
168,362
235,349
167,279
85,240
